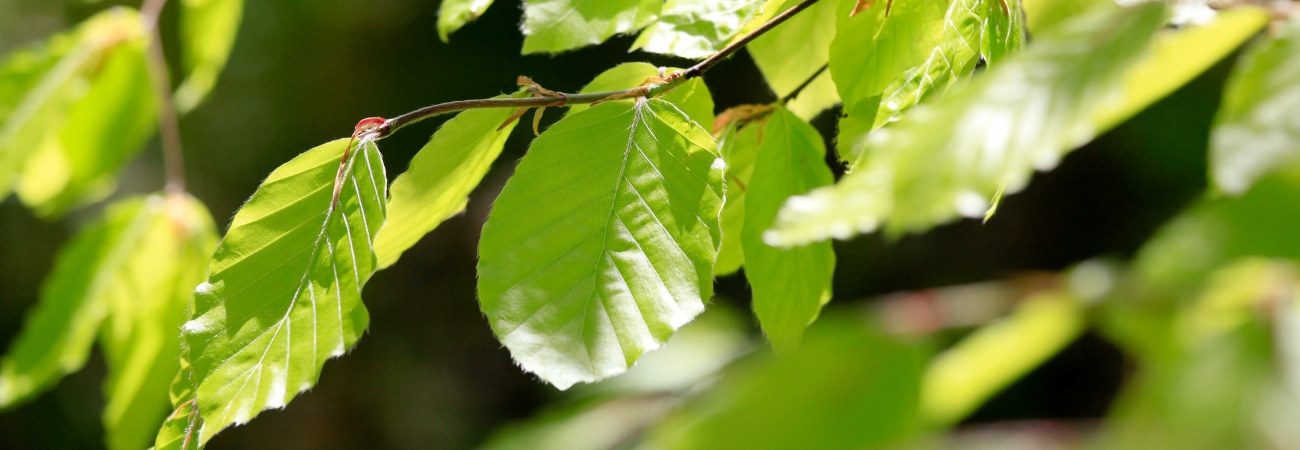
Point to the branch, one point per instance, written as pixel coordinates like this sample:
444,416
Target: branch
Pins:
562,99
800,88
168,125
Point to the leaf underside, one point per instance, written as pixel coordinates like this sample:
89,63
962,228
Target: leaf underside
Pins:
603,242
553,26
283,292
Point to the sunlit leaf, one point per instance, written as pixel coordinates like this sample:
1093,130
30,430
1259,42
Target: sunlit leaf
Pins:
65,96
739,146
283,292
692,96
1042,15
603,242
845,388
871,50
1256,128
552,26
790,285
437,184
146,307
132,271
989,137
453,14
695,29
793,52
208,30
995,355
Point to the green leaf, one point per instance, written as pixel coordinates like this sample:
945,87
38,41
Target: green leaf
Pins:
845,388
871,50
441,176
739,147
1042,15
603,242
692,96
793,52
790,285
553,26
986,361
1005,32
132,271
208,29
146,307
60,97
283,292
954,159
695,29
1256,128
453,14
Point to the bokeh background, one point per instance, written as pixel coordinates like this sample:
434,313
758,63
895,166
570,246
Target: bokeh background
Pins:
429,373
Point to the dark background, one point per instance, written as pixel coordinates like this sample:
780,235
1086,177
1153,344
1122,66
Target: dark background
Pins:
429,373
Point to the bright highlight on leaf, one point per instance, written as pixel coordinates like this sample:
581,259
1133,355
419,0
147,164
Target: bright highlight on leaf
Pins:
807,35
441,177
208,30
453,14
283,292
73,112
1257,128
695,29
603,242
789,285
553,26
948,161
125,279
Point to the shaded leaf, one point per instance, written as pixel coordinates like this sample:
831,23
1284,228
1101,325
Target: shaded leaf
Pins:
845,388
692,96
789,285
553,26
442,174
953,159
695,29
1256,127
146,307
603,242
739,146
793,52
283,292
208,29
453,14
61,99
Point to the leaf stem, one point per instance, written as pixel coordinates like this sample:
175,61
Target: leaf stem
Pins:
168,125
800,88
561,99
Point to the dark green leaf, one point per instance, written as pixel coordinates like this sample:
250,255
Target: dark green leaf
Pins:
603,242
283,292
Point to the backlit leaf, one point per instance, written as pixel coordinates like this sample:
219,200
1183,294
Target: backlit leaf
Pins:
692,96
131,272
871,50
603,242
793,52
553,26
1257,128
283,292
437,184
208,30
739,146
954,159
790,285
453,14
695,29
75,110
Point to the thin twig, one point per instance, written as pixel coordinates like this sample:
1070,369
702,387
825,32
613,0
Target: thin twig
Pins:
168,125
563,99
797,90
